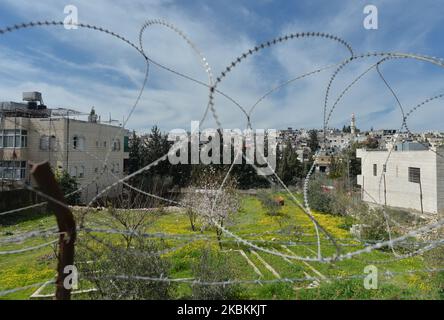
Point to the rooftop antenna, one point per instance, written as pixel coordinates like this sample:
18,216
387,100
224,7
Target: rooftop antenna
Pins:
112,120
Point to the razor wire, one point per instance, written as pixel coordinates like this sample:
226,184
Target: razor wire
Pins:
211,106
28,248
192,281
403,125
385,274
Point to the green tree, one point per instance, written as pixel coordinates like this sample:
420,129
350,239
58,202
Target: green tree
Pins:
289,168
68,185
336,168
319,199
354,163
313,141
135,153
156,146
371,143
246,174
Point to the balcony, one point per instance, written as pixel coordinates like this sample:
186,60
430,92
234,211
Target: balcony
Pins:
14,154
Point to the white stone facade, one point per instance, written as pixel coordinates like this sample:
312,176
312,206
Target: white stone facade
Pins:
79,147
385,179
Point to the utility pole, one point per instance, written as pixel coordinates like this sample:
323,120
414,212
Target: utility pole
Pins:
348,173
420,196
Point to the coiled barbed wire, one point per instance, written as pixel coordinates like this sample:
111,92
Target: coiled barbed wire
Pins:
211,106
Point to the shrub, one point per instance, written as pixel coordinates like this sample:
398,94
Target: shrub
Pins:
354,289
372,223
319,199
214,267
435,259
333,201
141,260
270,205
68,185
348,223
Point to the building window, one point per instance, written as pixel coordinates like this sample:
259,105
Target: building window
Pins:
75,142
13,138
81,172
116,145
24,139
375,170
73,171
13,170
414,175
53,143
44,143
48,143
126,144
78,143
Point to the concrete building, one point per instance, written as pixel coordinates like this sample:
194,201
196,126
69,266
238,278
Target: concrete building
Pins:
32,133
335,143
410,176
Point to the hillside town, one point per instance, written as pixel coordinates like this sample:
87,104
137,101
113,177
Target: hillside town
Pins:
397,168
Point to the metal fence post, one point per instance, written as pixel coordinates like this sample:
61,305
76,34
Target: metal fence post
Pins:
47,183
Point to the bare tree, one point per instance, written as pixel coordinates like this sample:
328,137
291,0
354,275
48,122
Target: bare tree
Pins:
114,262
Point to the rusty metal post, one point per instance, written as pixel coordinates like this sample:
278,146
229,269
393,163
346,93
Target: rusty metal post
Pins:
47,183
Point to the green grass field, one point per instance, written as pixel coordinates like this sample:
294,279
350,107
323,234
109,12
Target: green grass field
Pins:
251,222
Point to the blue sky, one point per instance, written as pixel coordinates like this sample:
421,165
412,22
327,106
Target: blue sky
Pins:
81,68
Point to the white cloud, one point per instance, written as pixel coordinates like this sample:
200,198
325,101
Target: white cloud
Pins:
171,101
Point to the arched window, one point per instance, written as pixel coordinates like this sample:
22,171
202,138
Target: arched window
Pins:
53,143
75,142
44,143
81,172
78,143
116,145
73,171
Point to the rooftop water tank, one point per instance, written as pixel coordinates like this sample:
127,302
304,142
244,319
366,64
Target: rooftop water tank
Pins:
33,96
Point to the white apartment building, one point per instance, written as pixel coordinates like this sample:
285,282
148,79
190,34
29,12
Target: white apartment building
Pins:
31,133
338,142
410,177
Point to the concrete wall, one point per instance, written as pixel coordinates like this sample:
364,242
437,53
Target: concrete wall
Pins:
399,191
440,178
18,198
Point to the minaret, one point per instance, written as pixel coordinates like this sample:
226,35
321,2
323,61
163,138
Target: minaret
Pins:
353,125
